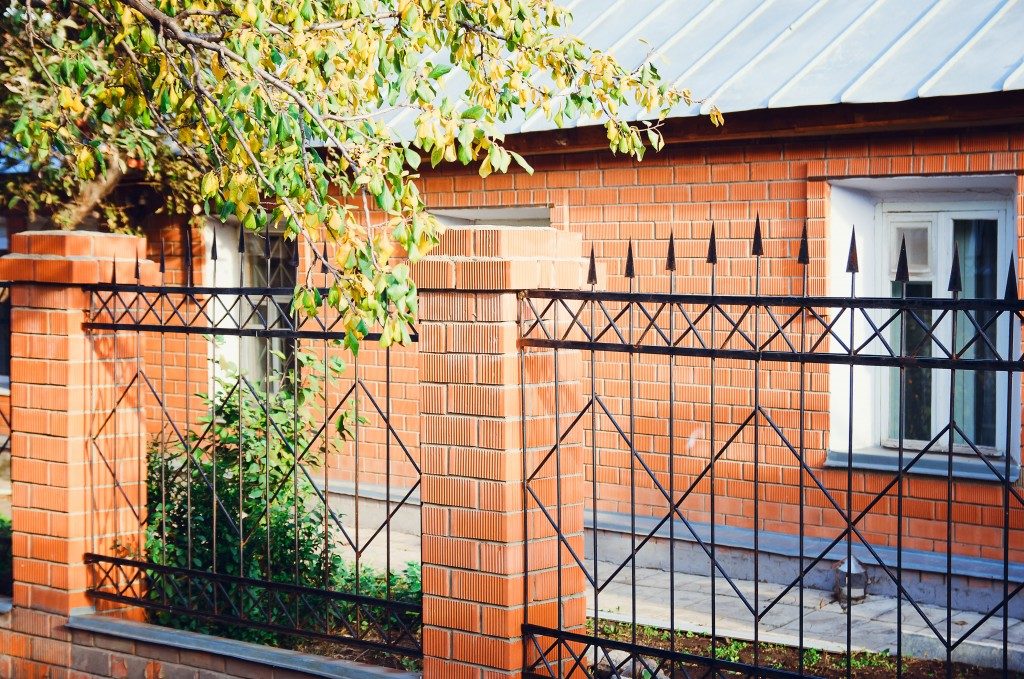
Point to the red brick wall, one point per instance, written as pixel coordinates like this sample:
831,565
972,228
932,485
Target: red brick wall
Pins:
611,200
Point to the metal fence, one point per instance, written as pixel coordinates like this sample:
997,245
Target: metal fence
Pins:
733,403
232,422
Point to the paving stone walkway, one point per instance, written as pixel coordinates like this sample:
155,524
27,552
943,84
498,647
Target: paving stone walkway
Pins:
873,620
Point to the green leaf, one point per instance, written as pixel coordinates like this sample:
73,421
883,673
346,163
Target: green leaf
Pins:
474,112
521,162
440,70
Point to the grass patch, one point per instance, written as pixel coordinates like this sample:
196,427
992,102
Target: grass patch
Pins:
815,662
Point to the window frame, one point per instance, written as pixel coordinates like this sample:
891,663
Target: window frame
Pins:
943,215
867,203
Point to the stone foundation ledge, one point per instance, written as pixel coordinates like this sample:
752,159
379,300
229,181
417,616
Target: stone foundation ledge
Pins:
104,646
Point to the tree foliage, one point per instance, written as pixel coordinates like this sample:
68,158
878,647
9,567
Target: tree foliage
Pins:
285,113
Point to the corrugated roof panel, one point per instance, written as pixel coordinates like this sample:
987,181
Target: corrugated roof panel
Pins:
755,84
744,55
705,41
827,74
924,49
984,61
746,36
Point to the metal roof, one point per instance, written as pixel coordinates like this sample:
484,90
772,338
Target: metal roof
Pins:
744,55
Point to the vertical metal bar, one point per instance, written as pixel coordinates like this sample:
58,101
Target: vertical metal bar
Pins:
187,246
243,300
326,559
387,470
852,266
114,393
803,258
560,535
355,451
1010,294
213,416
712,259
140,414
671,267
268,368
955,288
758,252
162,409
630,275
592,280
902,277
296,446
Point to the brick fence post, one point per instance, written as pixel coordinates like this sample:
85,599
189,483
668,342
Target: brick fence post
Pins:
474,579
64,385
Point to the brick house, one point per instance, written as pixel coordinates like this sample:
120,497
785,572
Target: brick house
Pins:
916,133
901,118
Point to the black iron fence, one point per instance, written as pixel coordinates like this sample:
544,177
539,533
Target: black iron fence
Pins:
764,470
232,422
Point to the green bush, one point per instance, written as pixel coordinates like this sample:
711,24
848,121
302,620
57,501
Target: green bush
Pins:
270,521
6,561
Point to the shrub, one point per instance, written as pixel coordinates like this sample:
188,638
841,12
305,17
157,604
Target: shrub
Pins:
6,560
270,521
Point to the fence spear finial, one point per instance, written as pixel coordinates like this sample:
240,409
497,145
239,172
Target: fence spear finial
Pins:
852,261
241,239
712,247
592,269
758,248
213,245
902,269
630,271
293,259
138,269
670,262
955,282
1011,281
804,255
323,261
163,259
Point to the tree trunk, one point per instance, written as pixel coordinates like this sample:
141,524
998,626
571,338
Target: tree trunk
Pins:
91,195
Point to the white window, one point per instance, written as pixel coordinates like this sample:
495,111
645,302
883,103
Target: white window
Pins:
975,216
254,356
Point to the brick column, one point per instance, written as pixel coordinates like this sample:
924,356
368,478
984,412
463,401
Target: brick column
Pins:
64,383
474,582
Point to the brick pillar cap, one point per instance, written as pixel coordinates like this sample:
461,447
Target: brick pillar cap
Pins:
76,258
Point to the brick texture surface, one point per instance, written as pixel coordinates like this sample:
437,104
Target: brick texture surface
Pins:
69,437
609,201
476,595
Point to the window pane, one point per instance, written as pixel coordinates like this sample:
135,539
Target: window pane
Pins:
917,395
974,404
261,354
915,235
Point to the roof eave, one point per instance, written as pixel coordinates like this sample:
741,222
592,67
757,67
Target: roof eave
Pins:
974,110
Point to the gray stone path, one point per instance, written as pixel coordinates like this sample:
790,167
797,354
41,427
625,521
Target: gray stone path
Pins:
873,620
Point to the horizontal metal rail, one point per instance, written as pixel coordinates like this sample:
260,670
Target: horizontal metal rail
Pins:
404,643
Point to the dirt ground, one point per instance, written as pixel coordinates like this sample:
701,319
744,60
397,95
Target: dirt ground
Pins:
776,657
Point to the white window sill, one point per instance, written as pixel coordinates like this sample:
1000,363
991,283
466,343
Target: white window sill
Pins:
931,464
